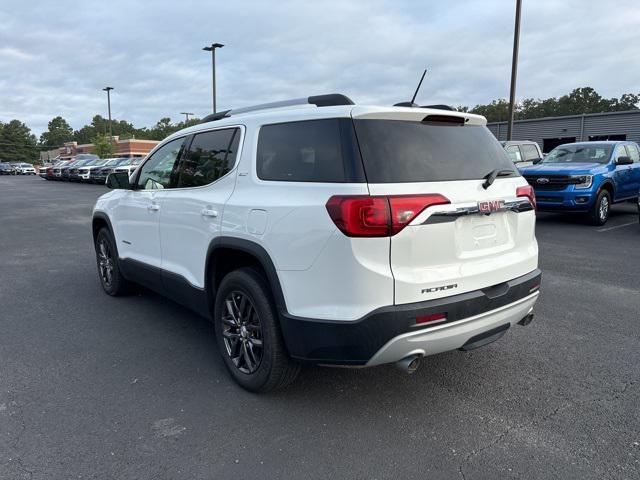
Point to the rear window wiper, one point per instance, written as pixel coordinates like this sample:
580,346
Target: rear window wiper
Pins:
493,174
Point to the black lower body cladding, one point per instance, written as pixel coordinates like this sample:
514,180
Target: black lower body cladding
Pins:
355,342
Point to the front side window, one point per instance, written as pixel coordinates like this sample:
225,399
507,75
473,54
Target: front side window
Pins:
159,171
309,151
514,153
210,156
621,152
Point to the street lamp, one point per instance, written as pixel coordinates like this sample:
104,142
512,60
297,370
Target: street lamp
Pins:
514,69
108,90
186,116
212,49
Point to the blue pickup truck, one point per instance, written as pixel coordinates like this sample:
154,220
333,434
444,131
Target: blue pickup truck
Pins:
586,177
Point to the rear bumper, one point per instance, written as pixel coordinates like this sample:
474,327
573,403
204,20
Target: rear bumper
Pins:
390,333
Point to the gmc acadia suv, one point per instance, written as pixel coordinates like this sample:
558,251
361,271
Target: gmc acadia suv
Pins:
316,230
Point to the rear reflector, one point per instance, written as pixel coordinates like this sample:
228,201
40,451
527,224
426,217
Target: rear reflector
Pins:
527,191
379,216
432,318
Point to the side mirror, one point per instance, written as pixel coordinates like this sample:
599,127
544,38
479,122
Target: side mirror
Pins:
624,161
536,161
118,180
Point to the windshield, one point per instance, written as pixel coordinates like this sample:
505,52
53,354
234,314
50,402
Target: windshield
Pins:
580,153
404,151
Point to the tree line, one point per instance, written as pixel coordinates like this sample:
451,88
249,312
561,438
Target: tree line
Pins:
580,100
18,144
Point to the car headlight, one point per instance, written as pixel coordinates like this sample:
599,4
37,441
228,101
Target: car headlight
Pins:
583,181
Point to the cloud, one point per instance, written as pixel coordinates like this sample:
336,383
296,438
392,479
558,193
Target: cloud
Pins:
57,56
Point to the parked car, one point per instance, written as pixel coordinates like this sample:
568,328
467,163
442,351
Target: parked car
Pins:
523,153
56,170
84,171
99,175
43,170
7,169
74,172
24,169
302,243
130,166
586,177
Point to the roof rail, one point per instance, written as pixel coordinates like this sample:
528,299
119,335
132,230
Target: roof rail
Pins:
329,100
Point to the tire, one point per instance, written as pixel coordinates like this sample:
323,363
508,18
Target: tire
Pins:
599,213
248,333
111,279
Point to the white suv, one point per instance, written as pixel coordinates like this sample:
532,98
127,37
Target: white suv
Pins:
321,231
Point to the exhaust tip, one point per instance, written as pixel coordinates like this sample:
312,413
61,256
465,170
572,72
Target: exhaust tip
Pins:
409,364
526,320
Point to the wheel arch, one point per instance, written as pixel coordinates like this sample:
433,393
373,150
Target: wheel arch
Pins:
229,253
99,221
609,187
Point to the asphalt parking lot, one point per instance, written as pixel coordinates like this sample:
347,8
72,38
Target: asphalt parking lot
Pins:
99,387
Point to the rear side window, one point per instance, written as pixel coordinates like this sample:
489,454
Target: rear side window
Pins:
514,153
397,151
530,152
210,156
309,151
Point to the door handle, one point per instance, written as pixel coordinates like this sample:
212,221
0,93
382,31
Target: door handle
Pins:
154,207
208,212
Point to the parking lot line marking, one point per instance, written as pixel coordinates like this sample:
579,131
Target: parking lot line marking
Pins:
617,226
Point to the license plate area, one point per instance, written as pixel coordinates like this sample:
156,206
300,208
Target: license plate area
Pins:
478,235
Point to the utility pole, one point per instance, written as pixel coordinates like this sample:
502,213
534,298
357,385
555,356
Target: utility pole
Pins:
108,90
212,49
514,70
186,116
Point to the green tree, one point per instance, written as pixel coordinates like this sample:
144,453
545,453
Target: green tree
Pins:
59,132
102,146
580,100
17,143
496,111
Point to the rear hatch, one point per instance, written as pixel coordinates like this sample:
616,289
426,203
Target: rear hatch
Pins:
454,235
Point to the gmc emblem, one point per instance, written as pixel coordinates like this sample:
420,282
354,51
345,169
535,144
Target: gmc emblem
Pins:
491,206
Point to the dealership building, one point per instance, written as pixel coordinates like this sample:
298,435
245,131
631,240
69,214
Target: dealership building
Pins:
553,131
131,148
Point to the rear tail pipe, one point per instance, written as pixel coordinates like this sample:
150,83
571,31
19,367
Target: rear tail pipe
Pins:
526,320
409,364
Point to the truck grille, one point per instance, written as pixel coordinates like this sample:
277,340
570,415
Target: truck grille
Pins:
552,183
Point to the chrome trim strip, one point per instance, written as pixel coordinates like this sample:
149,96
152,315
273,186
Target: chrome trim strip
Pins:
444,216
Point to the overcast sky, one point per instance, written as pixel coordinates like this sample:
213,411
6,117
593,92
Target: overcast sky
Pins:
56,56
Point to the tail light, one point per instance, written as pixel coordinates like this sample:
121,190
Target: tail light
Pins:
527,191
378,216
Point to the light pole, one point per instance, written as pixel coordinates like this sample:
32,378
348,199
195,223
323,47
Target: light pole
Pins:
108,90
514,69
186,116
212,49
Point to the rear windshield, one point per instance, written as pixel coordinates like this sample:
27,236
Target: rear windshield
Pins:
397,151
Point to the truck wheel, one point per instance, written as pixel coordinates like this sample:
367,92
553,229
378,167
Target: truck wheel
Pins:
248,333
113,283
599,213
